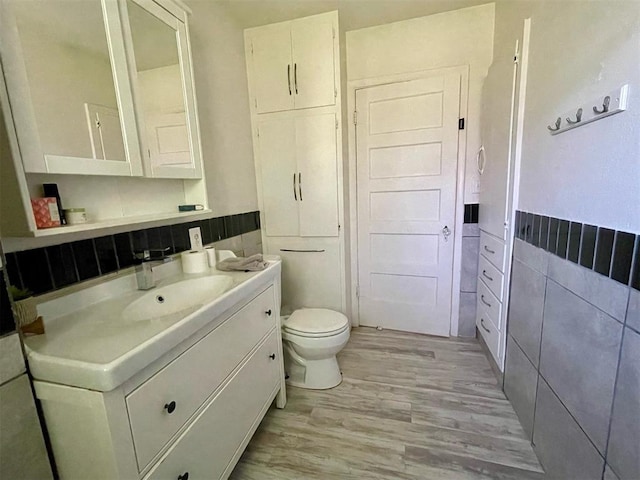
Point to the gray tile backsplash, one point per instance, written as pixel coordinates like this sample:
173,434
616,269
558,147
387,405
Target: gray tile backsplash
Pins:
525,308
520,381
624,442
566,327
578,335
468,280
562,447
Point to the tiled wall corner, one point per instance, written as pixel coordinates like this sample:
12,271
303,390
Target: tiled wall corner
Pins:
573,323
468,279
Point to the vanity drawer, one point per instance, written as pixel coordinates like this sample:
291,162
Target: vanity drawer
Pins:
489,332
491,276
160,406
207,447
493,250
489,302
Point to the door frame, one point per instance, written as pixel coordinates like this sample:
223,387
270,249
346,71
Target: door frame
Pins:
352,231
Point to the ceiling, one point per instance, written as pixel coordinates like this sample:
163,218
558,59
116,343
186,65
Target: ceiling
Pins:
354,14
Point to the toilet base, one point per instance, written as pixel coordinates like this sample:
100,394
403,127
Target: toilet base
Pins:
315,375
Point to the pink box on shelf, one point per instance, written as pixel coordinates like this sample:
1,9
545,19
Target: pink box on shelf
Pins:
45,211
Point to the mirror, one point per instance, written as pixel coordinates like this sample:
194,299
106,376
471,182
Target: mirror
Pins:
161,97
70,80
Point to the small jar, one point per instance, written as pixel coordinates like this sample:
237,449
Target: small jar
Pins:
75,216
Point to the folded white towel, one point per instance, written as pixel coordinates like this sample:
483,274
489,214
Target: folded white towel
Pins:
254,263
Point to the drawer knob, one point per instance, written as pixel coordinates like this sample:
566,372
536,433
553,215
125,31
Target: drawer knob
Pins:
170,407
268,312
184,476
484,273
272,356
487,249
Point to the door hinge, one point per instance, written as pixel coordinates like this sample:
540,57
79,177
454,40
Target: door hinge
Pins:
336,123
258,132
255,102
461,124
149,153
251,48
355,117
357,291
333,31
516,58
335,92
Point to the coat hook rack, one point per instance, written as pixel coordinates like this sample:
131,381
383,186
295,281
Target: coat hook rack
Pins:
605,106
578,118
556,127
614,102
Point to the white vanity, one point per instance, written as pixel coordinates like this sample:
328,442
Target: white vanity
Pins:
177,394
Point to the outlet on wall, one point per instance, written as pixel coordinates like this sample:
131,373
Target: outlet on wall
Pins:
195,238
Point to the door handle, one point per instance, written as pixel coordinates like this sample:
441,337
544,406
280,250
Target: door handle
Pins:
446,232
487,249
484,273
295,195
295,76
289,77
300,185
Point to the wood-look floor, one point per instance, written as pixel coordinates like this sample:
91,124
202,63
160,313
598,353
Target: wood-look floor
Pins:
410,407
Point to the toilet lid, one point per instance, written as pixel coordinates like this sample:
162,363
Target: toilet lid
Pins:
316,320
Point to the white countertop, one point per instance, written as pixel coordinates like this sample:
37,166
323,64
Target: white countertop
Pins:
89,344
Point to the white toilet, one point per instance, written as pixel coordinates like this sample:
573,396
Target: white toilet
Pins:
312,337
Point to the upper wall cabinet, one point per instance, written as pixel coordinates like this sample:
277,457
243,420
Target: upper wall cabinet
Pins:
79,81
292,63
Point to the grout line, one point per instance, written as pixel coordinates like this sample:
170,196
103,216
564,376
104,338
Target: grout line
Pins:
613,397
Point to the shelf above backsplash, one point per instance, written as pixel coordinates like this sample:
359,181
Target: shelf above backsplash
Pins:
55,235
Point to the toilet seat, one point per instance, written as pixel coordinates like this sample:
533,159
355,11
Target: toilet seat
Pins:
315,322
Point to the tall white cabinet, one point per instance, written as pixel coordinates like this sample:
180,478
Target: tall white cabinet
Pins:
294,86
498,165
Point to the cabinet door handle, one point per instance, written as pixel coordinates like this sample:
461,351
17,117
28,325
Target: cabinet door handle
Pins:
295,195
300,185
170,407
272,356
289,77
484,301
184,476
487,249
295,76
268,313
484,273
483,325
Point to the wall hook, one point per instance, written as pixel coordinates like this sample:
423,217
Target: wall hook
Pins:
558,122
605,106
578,118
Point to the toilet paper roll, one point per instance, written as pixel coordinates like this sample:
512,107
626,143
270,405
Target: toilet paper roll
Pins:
194,261
211,256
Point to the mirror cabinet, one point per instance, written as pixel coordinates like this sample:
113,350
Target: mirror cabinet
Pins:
101,88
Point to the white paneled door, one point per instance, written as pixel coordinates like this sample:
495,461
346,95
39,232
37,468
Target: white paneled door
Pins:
407,155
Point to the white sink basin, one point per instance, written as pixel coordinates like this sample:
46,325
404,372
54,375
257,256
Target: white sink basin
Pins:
185,295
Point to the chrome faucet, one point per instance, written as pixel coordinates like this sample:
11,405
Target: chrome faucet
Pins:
145,260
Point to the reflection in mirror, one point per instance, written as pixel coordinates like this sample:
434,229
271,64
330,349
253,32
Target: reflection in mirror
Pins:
64,46
155,47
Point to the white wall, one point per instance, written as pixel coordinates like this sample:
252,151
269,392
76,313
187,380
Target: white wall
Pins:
460,37
579,52
223,105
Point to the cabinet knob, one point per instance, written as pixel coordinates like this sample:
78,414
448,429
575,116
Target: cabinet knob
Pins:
268,312
170,407
184,476
272,356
